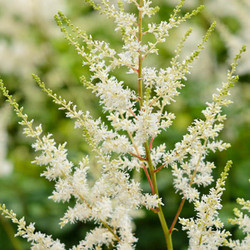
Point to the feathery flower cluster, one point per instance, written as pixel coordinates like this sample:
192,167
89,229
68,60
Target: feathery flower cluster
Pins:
243,221
191,152
201,230
237,12
135,119
92,203
38,240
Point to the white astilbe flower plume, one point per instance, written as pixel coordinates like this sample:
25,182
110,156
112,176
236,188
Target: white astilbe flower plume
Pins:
190,153
38,240
243,221
205,231
123,143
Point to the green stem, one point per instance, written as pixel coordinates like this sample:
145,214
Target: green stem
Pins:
162,219
164,226
110,230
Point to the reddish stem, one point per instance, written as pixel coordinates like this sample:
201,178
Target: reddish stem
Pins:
151,143
148,177
159,168
177,215
135,69
137,156
155,210
131,111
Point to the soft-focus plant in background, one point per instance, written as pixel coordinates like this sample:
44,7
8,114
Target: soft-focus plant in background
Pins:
6,166
232,30
136,120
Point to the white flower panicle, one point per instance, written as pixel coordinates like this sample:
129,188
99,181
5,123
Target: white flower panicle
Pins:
205,231
109,198
37,239
96,237
92,203
74,184
243,221
114,96
191,152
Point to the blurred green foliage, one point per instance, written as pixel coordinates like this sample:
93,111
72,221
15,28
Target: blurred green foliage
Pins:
26,193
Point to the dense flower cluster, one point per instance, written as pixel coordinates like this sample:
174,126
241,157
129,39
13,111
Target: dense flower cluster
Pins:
243,221
126,143
200,230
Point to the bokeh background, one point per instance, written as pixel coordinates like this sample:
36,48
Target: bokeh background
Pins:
30,42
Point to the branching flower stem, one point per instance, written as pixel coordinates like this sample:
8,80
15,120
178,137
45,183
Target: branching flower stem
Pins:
151,143
125,143
19,112
112,231
159,168
137,155
162,219
183,200
177,215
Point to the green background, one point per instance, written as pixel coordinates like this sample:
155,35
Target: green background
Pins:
26,193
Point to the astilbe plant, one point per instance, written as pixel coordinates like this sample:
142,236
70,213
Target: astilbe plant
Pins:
135,119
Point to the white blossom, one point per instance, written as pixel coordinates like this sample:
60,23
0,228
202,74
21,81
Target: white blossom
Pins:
205,231
37,240
243,221
146,125
97,236
107,193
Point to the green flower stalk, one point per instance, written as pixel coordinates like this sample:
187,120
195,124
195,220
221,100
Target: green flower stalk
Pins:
135,118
